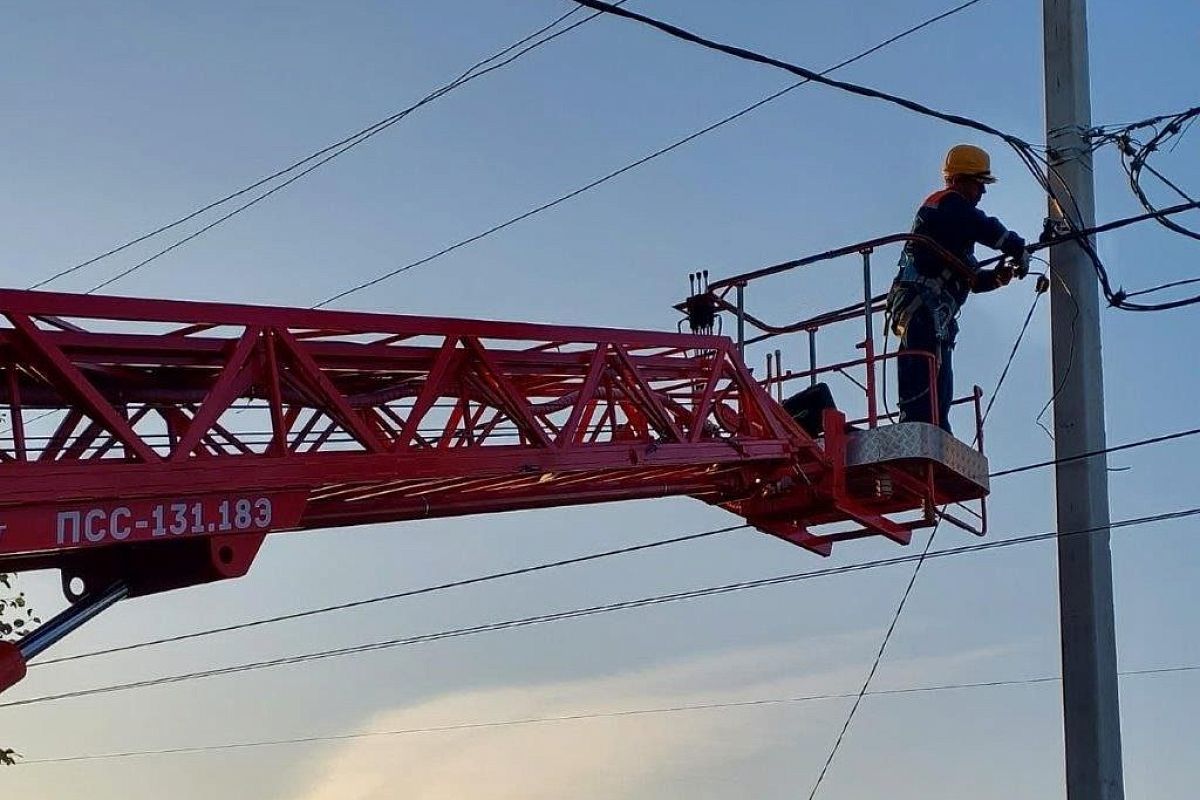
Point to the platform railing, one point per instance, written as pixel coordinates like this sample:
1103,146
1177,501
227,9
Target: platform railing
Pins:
715,299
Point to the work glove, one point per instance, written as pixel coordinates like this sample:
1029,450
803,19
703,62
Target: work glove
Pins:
1004,273
1021,268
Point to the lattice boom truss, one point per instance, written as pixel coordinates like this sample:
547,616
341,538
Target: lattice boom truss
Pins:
184,432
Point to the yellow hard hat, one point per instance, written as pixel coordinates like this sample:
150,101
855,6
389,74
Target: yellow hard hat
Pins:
971,161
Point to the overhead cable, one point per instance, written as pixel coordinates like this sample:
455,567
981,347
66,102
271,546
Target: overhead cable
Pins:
1039,167
643,160
538,619
449,87
368,601
1092,453
866,685
803,72
1160,287
458,584
322,156
1135,156
580,716
1012,355
912,580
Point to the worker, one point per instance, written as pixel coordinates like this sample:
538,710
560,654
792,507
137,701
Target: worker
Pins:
929,289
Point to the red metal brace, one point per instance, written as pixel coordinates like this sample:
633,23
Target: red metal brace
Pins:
148,474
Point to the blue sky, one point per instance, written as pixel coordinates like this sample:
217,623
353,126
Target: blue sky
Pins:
121,116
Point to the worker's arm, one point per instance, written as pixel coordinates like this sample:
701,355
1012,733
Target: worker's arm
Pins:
991,232
1012,246
988,279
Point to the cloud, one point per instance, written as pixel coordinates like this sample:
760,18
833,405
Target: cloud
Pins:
620,758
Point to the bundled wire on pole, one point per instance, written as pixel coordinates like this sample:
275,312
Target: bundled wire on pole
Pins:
1135,156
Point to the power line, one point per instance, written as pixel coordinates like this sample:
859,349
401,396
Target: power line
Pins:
803,72
887,637
595,556
581,716
1108,133
1092,453
39,417
891,629
1039,167
644,159
440,92
495,576
922,556
324,155
589,611
1136,158
1160,287
1012,355
312,612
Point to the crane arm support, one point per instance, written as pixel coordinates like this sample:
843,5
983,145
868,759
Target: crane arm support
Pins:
142,422
153,444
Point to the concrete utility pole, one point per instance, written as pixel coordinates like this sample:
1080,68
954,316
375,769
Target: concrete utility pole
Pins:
1091,706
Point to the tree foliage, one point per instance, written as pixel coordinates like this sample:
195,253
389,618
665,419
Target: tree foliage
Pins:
15,612
15,617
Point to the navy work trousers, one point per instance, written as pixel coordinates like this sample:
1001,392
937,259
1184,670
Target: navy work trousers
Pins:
913,371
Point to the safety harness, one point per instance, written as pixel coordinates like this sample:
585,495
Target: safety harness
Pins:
912,290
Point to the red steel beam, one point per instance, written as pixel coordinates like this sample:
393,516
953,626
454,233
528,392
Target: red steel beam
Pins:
172,436
150,401
175,421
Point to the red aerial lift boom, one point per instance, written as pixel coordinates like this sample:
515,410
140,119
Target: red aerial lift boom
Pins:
152,444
